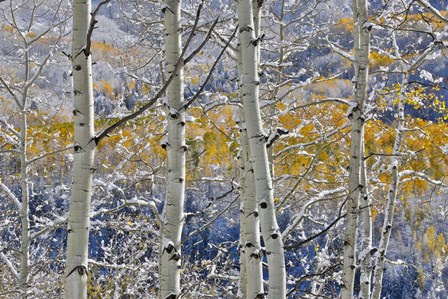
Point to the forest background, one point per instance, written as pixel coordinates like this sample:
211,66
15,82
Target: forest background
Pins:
307,72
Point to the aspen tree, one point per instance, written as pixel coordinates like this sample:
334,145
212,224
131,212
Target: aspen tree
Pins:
391,197
31,66
356,114
76,271
250,221
252,253
249,80
173,215
365,258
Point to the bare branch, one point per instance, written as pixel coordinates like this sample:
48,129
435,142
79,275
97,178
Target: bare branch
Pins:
10,265
159,94
16,99
194,98
210,31
433,10
92,27
11,195
49,154
211,221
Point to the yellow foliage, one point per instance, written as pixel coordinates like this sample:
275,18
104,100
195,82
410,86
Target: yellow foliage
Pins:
307,129
31,34
146,88
195,80
107,88
8,28
346,24
440,243
377,59
421,278
431,238
289,121
280,106
374,213
102,47
384,177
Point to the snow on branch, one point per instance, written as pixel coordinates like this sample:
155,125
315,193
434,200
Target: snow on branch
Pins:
112,266
11,195
295,221
161,92
11,92
301,146
59,222
340,51
276,135
50,153
228,277
9,127
211,221
433,10
10,265
420,175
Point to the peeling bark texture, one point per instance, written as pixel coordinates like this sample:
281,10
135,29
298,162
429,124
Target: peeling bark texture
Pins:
173,215
362,49
78,222
258,153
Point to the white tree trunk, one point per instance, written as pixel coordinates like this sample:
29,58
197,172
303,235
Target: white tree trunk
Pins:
362,49
244,144
173,216
392,194
83,168
252,253
389,213
258,154
366,244
242,282
25,207
251,247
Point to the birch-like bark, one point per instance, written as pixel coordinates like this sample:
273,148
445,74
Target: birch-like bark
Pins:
173,217
242,289
389,213
258,153
84,147
242,282
252,251
25,207
393,187
362,49
365,257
